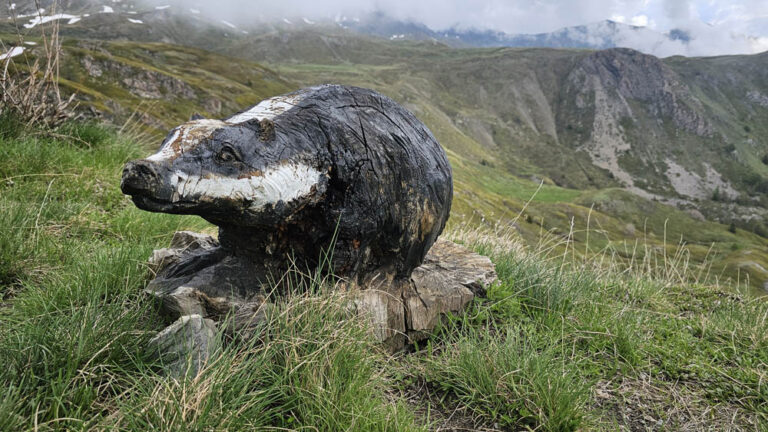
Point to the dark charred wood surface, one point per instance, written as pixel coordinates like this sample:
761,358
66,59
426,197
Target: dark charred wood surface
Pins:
381,202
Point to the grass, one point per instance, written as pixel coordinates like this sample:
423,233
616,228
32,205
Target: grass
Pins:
562,343
74,325
182,80
312,368
508,380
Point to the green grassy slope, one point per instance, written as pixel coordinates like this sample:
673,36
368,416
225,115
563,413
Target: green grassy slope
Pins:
498,162
585,119
485,189
531,93
684,130
163,83
562,344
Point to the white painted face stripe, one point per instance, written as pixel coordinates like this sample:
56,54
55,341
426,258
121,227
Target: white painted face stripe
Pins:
268,108
166,151
285,182
190,135
205,123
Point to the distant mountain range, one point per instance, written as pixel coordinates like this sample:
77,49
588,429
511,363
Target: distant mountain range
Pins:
600,35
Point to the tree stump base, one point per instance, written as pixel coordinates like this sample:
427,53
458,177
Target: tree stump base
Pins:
400,311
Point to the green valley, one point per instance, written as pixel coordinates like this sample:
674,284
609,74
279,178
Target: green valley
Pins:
513,130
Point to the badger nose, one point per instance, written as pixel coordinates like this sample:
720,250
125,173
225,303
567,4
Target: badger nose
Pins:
139,177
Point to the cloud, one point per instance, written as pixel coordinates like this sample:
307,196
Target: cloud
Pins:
639,20
512,16
714,26
677,9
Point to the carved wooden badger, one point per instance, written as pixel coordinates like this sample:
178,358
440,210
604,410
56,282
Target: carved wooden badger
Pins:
288,177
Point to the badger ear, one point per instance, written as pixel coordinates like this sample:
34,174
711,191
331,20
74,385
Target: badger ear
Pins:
264,127
253,123
196,116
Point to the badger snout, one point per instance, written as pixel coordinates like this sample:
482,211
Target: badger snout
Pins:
139,178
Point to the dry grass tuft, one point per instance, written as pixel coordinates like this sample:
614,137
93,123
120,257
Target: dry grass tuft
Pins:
30,91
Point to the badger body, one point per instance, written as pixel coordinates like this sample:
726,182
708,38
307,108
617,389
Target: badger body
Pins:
325,174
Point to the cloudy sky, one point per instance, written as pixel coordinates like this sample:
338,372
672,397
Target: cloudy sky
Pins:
715,26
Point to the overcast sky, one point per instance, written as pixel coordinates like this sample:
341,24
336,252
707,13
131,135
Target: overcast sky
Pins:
716,26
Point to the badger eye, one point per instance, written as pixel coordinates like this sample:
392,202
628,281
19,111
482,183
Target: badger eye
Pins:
227,154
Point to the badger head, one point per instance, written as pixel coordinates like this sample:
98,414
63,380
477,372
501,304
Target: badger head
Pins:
227,173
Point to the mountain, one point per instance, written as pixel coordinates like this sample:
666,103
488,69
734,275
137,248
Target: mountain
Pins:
129,17
646,149
677,129
600,35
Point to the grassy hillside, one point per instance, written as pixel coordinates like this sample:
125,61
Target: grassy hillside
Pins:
687,132
162,84
493,184
562,344
677,128
496,170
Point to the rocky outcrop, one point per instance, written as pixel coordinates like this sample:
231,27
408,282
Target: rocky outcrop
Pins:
144,83
628,106
155,85
92,67
633,76
758,98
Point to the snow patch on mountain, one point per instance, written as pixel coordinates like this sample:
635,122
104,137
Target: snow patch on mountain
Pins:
44,19
13,52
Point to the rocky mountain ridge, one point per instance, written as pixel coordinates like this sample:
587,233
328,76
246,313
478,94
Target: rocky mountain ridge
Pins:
686,131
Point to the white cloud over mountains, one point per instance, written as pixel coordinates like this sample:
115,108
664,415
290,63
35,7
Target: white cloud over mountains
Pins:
714,27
